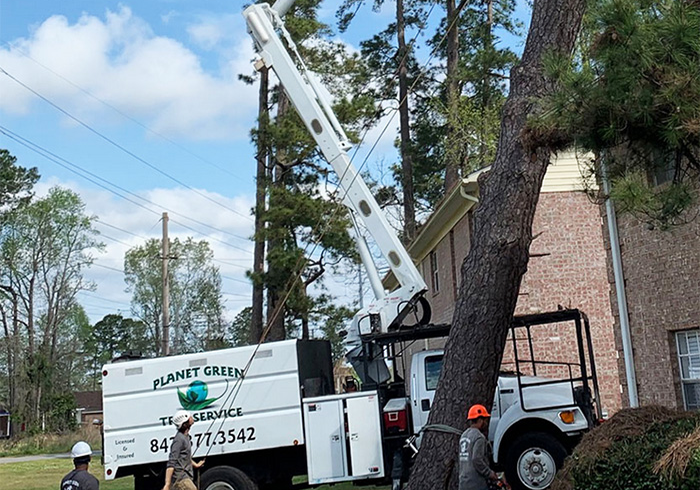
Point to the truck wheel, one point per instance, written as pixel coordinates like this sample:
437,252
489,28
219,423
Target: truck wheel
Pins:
533,460
226,478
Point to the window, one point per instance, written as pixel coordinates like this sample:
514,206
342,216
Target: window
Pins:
664,167
433,365
688,344
434,275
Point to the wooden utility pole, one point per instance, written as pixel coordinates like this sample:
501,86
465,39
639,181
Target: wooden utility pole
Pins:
166,290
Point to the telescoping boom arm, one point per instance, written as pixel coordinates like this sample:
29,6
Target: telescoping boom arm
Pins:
387,310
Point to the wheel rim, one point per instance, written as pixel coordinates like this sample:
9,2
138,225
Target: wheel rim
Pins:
220,485
536,468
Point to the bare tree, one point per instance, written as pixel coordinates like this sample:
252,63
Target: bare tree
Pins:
493,269
261,180
409,206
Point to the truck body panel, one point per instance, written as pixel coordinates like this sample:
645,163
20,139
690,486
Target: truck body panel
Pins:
343,437
234,409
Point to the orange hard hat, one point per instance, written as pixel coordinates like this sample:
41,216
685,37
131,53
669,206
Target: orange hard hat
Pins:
477,411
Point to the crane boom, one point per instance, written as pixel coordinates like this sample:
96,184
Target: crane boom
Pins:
387,311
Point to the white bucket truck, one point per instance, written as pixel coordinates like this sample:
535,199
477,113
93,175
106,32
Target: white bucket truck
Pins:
265,414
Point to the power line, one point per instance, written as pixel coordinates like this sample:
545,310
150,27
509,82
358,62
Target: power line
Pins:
76,169
95,296
121,113
120,147
121,229
114,239
108,267
231,265
234,279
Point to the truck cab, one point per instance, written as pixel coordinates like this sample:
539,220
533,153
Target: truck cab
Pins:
535,420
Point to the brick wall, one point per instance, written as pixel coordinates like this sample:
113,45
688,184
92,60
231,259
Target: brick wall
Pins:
662,283
568,268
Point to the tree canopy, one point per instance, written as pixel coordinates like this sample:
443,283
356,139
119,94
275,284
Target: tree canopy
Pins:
632,96
196,306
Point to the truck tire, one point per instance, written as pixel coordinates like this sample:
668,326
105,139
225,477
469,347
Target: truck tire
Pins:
226,478
532,461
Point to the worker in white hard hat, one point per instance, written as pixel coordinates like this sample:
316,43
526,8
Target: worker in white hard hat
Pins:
79,478
179,471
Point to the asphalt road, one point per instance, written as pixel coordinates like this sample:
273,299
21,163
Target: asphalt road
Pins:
38,457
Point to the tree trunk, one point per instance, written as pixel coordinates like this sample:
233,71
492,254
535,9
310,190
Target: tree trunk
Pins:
452,162
485,84
256,315
275,292
406,160
497,260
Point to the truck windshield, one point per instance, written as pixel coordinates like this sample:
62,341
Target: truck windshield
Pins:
433,365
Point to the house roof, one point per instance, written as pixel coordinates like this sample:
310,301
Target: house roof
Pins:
89,401
565,174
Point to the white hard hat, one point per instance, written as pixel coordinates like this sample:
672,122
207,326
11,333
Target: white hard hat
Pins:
180,417
80,449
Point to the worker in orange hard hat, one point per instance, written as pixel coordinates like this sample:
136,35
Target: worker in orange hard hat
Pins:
474,470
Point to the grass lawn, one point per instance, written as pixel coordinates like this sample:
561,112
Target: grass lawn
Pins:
47,474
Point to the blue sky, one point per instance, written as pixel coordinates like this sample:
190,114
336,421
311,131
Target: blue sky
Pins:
150,102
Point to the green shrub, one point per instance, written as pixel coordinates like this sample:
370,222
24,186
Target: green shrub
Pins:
622,453
50,443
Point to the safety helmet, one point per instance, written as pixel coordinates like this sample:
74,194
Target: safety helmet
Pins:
477,411
180,417
80,449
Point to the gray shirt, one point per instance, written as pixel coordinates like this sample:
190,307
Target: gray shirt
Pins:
79,480
474,468
181,457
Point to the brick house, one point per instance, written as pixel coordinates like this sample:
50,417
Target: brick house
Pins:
88,407
567,267
661,270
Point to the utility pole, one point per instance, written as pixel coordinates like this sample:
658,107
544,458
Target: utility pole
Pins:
166,289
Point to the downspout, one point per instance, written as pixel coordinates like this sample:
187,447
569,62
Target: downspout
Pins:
620,291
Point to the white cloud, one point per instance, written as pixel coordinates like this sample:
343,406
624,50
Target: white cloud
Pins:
121,61
210,32
232,255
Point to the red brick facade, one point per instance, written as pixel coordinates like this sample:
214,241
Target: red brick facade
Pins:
662,284
568,268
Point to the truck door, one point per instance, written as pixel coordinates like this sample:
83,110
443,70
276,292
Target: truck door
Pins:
425,372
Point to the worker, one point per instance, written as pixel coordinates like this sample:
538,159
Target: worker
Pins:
79,478
179,470
474,470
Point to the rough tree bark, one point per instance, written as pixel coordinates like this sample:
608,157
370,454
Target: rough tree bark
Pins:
275,293
453,92
497,260
256,314
409,209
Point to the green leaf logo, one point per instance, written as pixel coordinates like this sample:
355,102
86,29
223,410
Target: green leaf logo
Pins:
196,396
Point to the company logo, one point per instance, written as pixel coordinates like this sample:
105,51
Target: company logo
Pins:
196,396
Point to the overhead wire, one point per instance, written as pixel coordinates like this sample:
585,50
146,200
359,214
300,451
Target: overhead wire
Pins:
104,184
278,308
57,159
119,146
334,214
121,113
